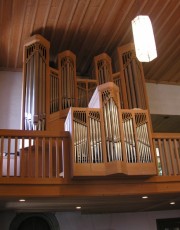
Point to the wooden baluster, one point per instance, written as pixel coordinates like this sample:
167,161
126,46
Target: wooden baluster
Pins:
30,159
43,157
36,156
8,156
176,147
57,158
172,156
161,158
22,161
50,158
16,165
166,157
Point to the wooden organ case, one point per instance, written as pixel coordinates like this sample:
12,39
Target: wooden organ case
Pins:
107,116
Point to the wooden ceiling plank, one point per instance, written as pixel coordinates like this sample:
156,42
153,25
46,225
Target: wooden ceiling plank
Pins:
171,73
162,58
46,16
63,19
163,38
90,19
99,45
35,4
40,18
6,23
54,31
68,24
77,25
103,20
52,20
18,15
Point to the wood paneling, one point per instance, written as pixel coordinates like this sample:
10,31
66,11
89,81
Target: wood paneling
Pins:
89,28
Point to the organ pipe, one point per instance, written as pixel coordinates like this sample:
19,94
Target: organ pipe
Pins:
34,88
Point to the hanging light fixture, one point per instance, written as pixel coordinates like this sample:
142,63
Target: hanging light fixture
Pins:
144,38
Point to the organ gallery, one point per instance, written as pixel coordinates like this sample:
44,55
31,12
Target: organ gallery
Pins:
106,114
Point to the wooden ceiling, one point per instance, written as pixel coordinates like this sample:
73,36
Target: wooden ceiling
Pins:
89,28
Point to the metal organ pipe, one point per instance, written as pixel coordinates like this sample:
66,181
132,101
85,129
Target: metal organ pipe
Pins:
66,63
112,132
35,87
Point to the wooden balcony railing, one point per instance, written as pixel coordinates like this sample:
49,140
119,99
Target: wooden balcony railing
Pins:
167,149
32,154
43,155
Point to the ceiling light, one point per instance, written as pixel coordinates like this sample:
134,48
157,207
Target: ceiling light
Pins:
172,203
22,200
144,38
144,197
78,207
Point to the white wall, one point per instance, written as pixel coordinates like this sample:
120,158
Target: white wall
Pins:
164,99
124,221
10,99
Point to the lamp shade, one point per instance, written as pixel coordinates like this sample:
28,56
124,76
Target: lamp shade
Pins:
144,38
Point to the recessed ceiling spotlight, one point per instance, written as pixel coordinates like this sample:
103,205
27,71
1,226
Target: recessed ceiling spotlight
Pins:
172,203
22,200
144,197
78,207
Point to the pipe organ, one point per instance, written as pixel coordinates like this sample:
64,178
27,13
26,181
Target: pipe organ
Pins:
103,68
36,60
85,90
54,91
118,140
67,69
107,116
134,93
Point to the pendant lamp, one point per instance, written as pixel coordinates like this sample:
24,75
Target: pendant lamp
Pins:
144,38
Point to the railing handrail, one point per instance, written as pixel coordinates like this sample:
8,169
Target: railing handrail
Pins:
165,135
33,133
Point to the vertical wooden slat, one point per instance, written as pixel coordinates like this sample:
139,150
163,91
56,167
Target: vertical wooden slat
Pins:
156,157
15,156
22,161
50,157
1,158
166,157
63,173
161,158
29,158
177,155
57,158
172,155
134,134
8,156
43,157
36,156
